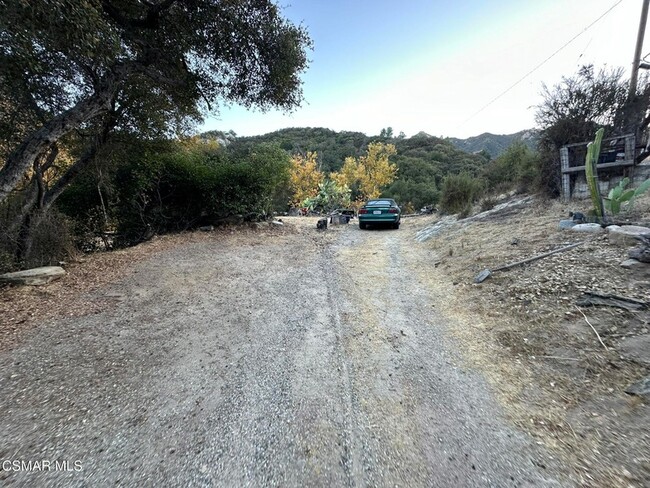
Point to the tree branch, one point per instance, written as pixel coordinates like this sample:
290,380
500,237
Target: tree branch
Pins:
150,21
33,146
62,183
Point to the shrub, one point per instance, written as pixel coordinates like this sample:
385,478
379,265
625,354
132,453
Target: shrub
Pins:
51,241
517,168
186,188
416,194
458,193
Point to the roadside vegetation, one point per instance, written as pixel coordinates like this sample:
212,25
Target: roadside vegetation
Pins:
99,153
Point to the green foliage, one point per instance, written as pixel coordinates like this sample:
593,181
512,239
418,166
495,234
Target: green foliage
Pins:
330,197
591,160
458,193
423,161
417,183
332,147
619,195
517,168
163,188
438,155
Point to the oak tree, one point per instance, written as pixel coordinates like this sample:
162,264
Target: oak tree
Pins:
75,72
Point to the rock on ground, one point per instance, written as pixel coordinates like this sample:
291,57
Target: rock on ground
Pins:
34,276
626,235
591,228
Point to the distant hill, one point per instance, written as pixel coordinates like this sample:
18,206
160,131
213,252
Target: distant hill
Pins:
333,147
495,144
423,160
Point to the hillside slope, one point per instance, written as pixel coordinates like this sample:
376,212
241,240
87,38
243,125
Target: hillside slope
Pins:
495,144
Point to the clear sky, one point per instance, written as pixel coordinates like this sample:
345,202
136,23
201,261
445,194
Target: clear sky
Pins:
431,65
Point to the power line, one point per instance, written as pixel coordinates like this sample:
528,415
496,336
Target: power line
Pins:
543,62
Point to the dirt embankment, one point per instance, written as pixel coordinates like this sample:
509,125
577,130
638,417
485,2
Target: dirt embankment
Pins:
523,329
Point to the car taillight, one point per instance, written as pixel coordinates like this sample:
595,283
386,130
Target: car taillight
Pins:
392,210
363,211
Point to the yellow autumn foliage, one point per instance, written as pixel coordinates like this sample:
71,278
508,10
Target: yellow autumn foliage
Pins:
370,173
304,178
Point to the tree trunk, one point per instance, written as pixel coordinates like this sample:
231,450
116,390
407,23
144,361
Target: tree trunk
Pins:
26,236
34,146
40,200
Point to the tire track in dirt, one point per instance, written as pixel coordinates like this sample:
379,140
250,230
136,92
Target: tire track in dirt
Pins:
297,360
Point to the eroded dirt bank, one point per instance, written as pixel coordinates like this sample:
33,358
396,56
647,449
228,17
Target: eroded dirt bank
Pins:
289,359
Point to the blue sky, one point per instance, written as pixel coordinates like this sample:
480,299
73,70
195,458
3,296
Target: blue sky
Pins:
430,66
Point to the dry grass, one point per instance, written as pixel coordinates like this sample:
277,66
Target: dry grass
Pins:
522,329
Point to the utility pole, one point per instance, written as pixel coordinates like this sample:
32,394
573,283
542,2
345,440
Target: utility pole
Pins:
637,53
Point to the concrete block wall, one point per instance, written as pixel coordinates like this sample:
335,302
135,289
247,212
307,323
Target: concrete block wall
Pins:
581,191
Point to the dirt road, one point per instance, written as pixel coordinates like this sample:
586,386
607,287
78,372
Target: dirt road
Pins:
305,359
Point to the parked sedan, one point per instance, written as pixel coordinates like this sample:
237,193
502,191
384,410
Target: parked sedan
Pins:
381,210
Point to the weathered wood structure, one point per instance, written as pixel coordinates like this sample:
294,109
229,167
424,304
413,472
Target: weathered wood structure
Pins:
616,154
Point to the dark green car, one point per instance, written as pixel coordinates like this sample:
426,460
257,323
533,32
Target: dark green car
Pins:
380,211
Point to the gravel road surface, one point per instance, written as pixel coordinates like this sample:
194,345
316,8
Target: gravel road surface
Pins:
301,359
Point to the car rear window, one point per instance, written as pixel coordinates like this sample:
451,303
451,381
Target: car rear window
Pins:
379,203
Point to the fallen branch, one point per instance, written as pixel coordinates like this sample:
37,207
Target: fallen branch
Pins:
592,298
592,328
557,357
486,273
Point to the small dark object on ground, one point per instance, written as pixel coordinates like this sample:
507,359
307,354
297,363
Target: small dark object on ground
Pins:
577,217
641,387
642,251
321,224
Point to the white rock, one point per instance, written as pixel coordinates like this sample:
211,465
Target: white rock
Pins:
34,276
567,224
592,228
625,235
631,263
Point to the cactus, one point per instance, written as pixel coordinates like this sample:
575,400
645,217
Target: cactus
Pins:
593,152
619,195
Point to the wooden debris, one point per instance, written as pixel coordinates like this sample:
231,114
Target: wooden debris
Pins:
559,358
592,298
486,273
593,328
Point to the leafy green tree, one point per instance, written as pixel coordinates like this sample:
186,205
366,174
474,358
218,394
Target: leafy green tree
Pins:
73,73
386,133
